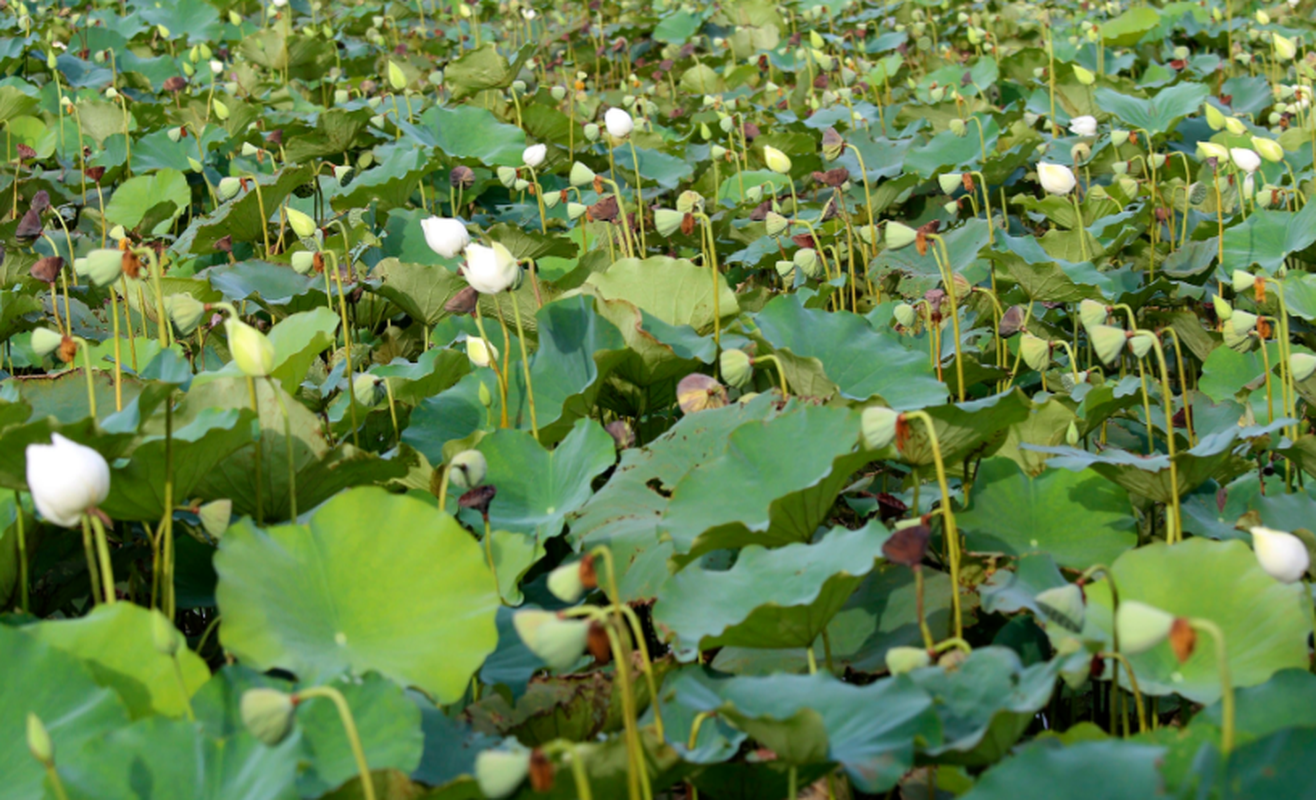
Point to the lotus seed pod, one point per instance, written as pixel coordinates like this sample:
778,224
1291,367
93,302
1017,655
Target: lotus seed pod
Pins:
1140,346
558,92
785,268
1157,160
737,367
592,132
185,311
1118,138
689,202
667,221
1107,341
581,175
717,151
1141,627
900,660
1080,153
228,187
507,176
215,517
45,341
1120,168
368,389
754,194
104,266
806,258
957,126
949,182
1302,365
1035,352
698,392
38,741
252,351
565,582
576,210
1242,280
499,773
558,642
163,635
1092,313
878,427
899,235
775,223
267,714
905,314
1234,338
303,261
1197,193
468,469
1243,321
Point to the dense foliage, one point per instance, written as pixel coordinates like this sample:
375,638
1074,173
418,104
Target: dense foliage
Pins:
650,399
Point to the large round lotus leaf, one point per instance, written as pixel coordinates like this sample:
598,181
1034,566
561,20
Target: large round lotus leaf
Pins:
373,582
769,598
753,494
810,719
1284,701
1265,623
1086,771
1266,238
1078,518
298,340
117,645
965,430
673,290
163,759
1274,766
36,678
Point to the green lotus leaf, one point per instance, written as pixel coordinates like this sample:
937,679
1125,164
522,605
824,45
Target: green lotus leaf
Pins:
1009,590
949,150
298,340
469,132
1267,708
293,598
1157,115
242,218
675,291
482,68
1266,238
1088,770
1265,623
388,184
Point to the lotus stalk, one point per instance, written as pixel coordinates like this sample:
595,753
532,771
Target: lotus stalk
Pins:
349,727
948,279
525,365
1175,532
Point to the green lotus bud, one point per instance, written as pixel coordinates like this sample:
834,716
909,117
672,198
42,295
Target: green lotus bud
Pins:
520,185
301,223
1235,126
499,773
252,350
164,636
737,367
667,221
267,714
215,517
396,77
958,126
1118,138
689,202
1301,365
1141,627
566,583
486,397
949,182
558,642
193,164
899,235
221,110
1243,321
234,18
551,199
104,266
581,175
1071,431
174,133
1268,149
776,160
905,314
937,94
576,210
592,132
952,207
1107,341
878,427
303,261
249,149
558,93
1035,352
468,469
228,187
38,741
1242,280
368,389
1064,606
717,151
900,660
806,258
775,223
45,341
785,268
1092,313
1080,153
1085,77
186,312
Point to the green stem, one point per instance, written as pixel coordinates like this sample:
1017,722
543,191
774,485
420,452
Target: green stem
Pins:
260,448
167,524
948,277
525,366
349,726
948,516
103,553
1176,527
23,600
89,550
52,775
1226,684
639,199
928,641
1133,684
781,373
1080,227
287,436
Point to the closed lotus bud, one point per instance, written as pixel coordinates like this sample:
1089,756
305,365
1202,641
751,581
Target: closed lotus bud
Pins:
1071,431
368,389
1245,159
228,187
1141,627
249,149
1080,152
215,517
480,352
396,77
556,641
45,341
1120,168
1268,149
717,151
558,92
1243,321
949,182
878,427
1140,346
1301,365
267,714
104,266
900,660
1118,138
592,132
1035,352
447,237
499,773
1091,313
899,235
1085,77
221,110
618,123
565,582
301,223
468,469
1223,310
1107,341
38,741
252,350
303,261
776,160
775,223
1064,606
581,175
1085,125
1157,160
551,199
1207,150
737,367
1285,49
1235,126
957,126
1214,117
185,311
785,268
667,221
1056,178
164,636
905,314
1282,555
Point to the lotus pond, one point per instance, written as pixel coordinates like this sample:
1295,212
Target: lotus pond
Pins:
761,399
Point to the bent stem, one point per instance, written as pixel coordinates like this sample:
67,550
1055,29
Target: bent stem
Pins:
1114,631
103,553
1175,533
1226,684
349,726
1133,684
781,373
948,516
525,366
287,436
493,362
948,278
711,259
637,631
347,344
919,607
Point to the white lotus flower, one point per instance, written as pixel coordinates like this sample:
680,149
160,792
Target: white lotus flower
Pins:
66,480
1085,125
1056,178
534,155
1282,555
445,236
490,270
619,123
1245,159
